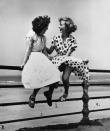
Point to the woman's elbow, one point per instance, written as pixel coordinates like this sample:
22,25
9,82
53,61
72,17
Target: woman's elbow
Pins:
49,51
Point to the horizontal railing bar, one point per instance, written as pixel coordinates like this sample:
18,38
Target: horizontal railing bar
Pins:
49,116
21,86
99,97
40,117
71,84
14,103
99,70
105,109
19,68
44,101
10,67
11,86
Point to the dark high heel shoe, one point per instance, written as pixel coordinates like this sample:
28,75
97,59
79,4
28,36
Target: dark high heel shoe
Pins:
31,101
48,97
63,97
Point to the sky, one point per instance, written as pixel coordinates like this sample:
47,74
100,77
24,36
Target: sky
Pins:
91,17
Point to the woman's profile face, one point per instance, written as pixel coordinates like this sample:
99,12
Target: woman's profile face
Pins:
62,26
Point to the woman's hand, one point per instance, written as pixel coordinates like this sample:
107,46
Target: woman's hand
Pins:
50,50
22,66
50,57
70,51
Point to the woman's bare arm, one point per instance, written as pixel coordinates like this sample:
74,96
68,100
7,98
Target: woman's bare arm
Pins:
71,50
27,53
50,50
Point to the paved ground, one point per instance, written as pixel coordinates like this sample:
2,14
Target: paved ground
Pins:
104,125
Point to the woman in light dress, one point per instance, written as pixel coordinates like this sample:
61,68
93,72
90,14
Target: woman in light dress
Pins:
38,71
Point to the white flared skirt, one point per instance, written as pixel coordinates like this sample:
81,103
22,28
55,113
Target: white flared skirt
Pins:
39,72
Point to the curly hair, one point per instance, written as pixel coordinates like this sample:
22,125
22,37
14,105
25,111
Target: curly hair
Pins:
70,26
40,23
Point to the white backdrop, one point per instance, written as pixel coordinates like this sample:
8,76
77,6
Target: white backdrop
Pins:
91,16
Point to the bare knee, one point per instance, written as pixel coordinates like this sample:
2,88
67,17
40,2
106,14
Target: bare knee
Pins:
66,75
65,79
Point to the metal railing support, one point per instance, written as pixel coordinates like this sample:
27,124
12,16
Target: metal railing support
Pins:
85,99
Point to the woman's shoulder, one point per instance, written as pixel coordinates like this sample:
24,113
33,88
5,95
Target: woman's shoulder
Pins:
71,37
31,35
56,37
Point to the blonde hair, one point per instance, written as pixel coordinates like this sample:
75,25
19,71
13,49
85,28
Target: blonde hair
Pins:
71,27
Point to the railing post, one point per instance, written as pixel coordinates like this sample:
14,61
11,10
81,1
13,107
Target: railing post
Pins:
85,99
85,111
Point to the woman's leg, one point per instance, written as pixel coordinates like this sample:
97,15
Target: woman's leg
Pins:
48,94
65,79
33,97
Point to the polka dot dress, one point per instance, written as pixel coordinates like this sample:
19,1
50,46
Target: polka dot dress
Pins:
80,67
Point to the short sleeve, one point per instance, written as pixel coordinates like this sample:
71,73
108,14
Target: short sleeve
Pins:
53,41
30,37
73,43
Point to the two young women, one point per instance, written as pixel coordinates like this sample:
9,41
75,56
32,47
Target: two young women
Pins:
39,71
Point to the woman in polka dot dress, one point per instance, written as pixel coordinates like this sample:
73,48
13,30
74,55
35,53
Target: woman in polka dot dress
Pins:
64,44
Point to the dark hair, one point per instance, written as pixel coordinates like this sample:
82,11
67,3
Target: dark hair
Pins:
40,23
70,26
